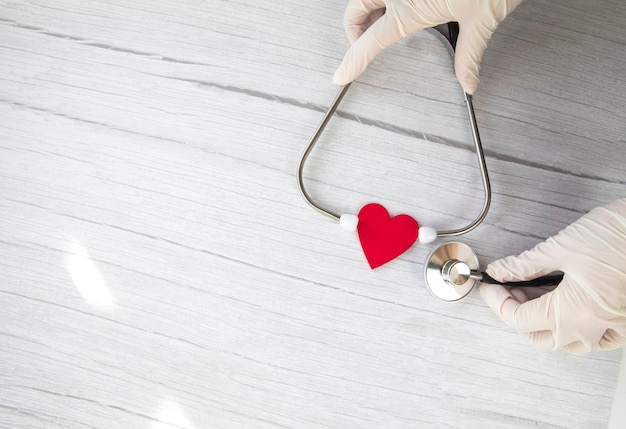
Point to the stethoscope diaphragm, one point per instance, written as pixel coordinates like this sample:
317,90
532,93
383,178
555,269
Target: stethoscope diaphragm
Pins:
449,271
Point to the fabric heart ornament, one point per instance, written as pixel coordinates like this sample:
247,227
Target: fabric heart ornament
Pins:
384,238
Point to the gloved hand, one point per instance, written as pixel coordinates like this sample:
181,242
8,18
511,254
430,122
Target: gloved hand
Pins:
371,28
588,309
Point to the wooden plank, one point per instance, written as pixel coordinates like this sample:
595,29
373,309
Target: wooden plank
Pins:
234,49
151,149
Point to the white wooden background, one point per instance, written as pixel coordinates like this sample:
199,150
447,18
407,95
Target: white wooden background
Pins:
159,269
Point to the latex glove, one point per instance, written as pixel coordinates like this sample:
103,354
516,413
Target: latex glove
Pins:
588,309
371,28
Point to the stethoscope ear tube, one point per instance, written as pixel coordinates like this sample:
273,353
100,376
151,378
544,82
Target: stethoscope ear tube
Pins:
549,280
448,34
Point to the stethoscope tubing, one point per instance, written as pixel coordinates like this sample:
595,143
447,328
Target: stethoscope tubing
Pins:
549,280
475,136
309,148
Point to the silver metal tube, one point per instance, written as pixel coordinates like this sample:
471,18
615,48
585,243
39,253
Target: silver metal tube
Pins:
484,174
444,33
318,132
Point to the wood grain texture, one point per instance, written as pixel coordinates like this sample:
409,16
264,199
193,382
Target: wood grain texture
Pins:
159,269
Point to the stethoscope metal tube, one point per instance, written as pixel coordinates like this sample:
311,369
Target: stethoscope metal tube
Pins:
320,129
447,34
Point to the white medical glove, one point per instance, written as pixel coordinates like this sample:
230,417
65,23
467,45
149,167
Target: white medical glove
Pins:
588,309
371,28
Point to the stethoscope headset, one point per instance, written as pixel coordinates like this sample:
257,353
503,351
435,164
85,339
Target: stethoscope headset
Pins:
452,269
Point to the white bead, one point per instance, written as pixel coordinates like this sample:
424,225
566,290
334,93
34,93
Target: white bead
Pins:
427,235
349,222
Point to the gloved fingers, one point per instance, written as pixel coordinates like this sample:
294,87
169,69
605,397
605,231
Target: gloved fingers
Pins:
503,302
519,295
533,315
577,348
545,341
359,15
470,48
495,296
611,340
387,30
514,308
541,260
536,292
595,339
477,22
582,342
542,340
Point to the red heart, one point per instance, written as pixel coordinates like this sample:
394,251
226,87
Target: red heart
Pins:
383,238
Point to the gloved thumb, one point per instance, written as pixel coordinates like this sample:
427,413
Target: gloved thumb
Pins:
477,22
534,318
381,34
496,295
470,48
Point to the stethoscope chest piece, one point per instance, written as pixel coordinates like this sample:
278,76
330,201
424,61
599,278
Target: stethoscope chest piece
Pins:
449,271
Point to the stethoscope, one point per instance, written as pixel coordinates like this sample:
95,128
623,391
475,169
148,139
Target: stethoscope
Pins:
451,271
